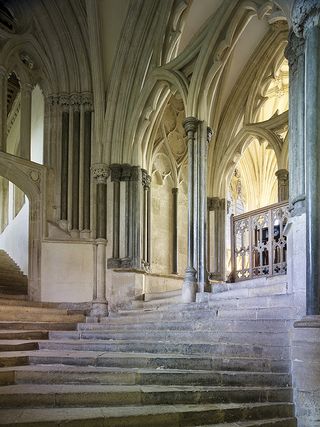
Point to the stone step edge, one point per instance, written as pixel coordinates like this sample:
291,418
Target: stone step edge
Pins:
8,417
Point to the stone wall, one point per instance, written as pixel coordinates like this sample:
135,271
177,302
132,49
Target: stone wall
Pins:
306,371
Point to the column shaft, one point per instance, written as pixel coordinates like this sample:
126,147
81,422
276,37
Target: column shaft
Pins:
295,55
64,165
25,121
86,169
3,109
116,218
75,170
312,138
175,231
101,226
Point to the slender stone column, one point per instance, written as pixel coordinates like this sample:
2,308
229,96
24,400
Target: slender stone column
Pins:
3,108
175,230
75,102
189,288
126,176
295,55
135,187
205,136
101,173
146,181
283,185
216,205
64,163
86,168
306,23
115,178
25,121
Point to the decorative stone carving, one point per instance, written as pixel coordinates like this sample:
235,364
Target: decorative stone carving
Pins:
305,15
126,172
190,124
294,50
146,179
135,173
116,172
100,172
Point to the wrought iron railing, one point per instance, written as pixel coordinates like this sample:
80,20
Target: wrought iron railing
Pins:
259,246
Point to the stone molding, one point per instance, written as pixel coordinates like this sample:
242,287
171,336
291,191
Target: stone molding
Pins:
146,179
100,172
190,124
74,100
305,15
215,203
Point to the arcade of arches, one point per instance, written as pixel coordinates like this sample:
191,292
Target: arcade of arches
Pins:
151,146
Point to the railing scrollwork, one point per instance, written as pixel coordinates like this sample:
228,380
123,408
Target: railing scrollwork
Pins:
259,246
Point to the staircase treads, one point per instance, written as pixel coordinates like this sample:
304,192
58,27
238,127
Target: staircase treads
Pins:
63,374
26,395
156,416
227,349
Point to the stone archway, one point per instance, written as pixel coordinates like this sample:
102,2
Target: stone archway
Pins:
30,178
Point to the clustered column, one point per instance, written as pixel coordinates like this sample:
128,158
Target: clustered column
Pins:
131,217
100,174
73,127
195,276
306,24
295,55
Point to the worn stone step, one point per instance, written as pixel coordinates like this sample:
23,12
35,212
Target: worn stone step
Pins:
150,415
18,345
10,359
29,308
230,325
216,301
42,315
136,346
38,325
149,360
9,294
26,395
23,335
62,374
284,313
274,422
259,338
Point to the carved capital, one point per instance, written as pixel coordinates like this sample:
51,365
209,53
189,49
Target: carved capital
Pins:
305,15
100,172
75,101
175,190
116,172
87,101
213,203
190,124
126,172
293,51
64,101
209,134
282,175
135,173
146,179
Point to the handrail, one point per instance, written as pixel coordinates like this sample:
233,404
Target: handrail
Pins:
258,244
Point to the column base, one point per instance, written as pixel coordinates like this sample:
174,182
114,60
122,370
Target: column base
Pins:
99,309
190,286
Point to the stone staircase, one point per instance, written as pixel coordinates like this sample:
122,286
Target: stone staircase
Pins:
13,283
202,364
